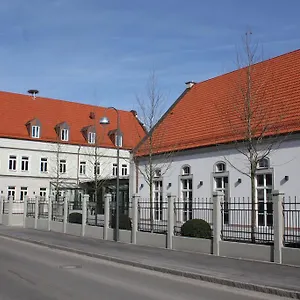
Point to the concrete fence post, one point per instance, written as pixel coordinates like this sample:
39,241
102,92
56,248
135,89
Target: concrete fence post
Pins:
278,225
170,230
10,210
25,211
107,201
65,221
84,213
217,221
135,202
1,209
49,213
36,212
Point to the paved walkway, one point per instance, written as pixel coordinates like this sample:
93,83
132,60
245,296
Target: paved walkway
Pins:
265,277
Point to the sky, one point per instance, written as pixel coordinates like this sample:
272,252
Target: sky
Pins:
103,52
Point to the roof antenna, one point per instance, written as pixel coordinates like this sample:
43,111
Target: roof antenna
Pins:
33,93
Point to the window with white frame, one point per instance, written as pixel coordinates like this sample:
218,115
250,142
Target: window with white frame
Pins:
158,199
35,131
44,164
23,193
97,168
187,197
115,169
221,184
264,188
12,163
62,166
64,134
92,137
82,168
24,163
124,170
119,139
263,163
157,173
43,193
186,170
11,192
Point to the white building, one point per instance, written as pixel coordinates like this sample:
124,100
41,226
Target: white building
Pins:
49,145
198,145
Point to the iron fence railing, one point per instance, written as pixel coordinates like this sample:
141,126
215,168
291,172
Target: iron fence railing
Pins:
196,208
291,214
58,211
244,221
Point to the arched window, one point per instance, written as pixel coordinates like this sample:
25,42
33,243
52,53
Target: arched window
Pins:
186,170
263,163
220,167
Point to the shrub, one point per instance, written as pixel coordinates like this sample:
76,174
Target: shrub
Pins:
75,218
196,228
124,222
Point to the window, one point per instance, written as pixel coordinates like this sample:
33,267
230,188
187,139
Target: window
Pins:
157,173
44,164
82,168
187,196
11,192
12,163
24,163
119,139
64,134
43,193
158,200
186,170
35,131
220,167
221,184
264,188
124,170
115,169
97,168
263,163
23,193
92,137
62,166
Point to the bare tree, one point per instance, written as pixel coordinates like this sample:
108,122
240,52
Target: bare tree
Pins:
150,111
252,123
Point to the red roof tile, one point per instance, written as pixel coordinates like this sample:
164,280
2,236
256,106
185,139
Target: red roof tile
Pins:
16,110
202,116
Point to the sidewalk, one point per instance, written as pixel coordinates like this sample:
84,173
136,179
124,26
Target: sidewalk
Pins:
263,277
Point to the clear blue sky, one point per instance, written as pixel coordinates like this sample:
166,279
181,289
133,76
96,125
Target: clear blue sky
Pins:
101,52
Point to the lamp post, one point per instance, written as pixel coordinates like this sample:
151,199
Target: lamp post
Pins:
105,121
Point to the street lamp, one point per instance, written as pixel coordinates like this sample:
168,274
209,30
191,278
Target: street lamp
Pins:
105,121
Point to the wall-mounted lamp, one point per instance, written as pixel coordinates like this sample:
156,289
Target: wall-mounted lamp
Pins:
286,178
239,180
200,183
1,192
141,186
169,184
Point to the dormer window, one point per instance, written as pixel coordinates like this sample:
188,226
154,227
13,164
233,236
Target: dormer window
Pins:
119,140
92,137
63,131
35,131
34,128
116,138
64,134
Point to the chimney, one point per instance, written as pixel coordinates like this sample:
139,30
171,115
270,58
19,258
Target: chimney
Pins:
190,84
33,93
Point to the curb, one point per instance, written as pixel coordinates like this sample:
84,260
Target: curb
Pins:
206,278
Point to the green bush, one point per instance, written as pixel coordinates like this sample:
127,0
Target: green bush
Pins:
124,222
75,218
196,228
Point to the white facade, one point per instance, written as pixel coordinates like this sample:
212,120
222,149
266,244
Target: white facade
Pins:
23,171
283,162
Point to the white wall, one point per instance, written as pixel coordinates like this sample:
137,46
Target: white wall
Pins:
285,161
34,179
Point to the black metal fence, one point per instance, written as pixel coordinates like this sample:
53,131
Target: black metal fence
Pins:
152,217
244,221
58,211
187,209
291,213
30,209
43,209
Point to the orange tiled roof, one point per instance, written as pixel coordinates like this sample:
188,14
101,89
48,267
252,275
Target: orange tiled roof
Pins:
17,109
210,112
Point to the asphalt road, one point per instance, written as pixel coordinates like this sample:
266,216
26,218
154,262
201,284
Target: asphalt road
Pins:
32,272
